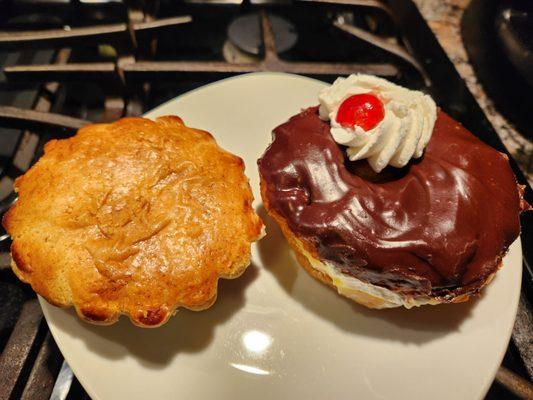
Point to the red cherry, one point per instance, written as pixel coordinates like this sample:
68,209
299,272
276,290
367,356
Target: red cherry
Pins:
364,110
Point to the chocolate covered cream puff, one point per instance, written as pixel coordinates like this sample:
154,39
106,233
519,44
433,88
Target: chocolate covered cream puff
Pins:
389,200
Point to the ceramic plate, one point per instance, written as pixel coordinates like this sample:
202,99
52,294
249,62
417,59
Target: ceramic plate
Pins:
276,332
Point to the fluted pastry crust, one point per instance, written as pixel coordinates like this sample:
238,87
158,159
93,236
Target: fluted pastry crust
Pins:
136,217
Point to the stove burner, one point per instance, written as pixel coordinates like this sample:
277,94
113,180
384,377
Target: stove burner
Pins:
245,33
233,55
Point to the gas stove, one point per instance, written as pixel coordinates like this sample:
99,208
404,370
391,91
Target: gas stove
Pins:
65,63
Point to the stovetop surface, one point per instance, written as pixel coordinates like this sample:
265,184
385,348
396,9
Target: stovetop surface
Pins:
206,39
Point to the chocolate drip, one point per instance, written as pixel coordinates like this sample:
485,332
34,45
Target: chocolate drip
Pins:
440,226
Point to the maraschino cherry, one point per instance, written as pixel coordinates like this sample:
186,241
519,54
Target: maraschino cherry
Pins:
364,110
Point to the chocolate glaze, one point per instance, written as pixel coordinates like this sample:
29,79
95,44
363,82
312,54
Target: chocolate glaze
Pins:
439,227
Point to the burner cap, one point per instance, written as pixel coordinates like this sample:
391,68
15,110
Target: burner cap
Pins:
245,33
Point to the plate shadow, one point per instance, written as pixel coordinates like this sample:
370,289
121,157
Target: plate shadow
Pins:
186,332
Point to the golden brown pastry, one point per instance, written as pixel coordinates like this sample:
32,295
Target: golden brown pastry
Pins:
137,217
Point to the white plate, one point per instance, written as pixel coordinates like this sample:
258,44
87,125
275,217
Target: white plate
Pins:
275,332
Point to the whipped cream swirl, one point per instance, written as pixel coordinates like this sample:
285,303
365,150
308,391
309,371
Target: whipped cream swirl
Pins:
402,134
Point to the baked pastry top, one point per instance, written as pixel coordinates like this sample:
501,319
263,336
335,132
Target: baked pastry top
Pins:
136,217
